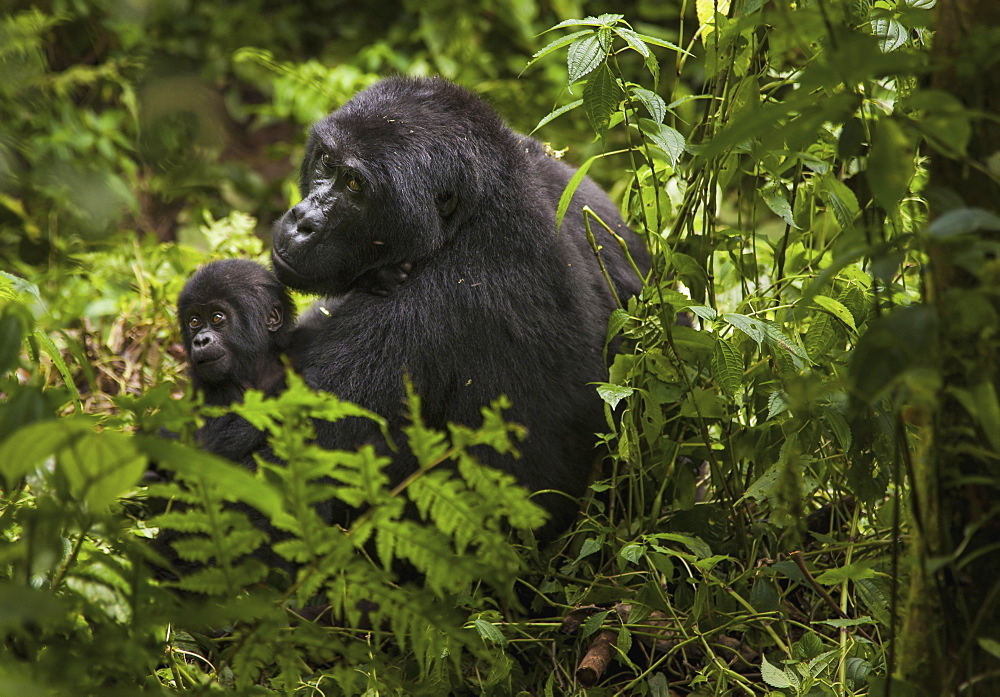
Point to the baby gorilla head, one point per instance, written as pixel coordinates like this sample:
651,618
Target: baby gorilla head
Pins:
236,319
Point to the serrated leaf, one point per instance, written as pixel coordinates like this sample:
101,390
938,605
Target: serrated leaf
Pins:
857,670
776,403
654,104
749,326
585,55
489,632
667,139
777,200
594,622
634,40
601,98
706,10
727,367
840,200
632,553
891,34
559,43
613,394
837,309
776,677
823,334
705,312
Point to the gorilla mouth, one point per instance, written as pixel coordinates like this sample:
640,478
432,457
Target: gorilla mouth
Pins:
288,275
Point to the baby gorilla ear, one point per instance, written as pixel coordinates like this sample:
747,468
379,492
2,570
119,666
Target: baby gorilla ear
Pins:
274,320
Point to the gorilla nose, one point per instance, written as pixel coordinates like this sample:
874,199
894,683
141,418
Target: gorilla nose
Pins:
308,218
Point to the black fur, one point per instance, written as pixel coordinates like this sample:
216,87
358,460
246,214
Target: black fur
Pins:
422,172
237,320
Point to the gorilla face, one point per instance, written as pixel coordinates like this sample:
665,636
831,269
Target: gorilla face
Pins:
235,319
381,184
326,241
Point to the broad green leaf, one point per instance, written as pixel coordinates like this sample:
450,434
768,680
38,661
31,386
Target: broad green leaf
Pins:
704,311
751,327
890,33
594,622
100,467
489,632
601,97
663,44
990,646
28,448
776,199
634,40
841,201
727,367
943,121
890,164
668,139
613,394
849,572
776,677
837,309
823,334
857,670
585,55
654,104
632,553
559,43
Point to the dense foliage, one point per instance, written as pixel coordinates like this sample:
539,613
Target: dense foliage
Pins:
770,413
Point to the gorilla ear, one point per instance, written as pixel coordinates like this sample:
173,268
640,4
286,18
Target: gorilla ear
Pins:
274,319
446,202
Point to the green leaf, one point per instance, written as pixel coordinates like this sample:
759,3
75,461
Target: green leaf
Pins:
571,187
667,139
613,394
489,632
850,572
705,312
594,622
776,677
100,467
840,200
891,34
585,55
890,164
654,104
551,116
727,367
837,309
776,199
11,340
990,646
601,97
633,40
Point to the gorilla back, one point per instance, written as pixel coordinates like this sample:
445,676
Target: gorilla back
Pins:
423,172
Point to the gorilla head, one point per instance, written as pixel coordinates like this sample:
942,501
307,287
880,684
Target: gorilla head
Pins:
236,319
403,151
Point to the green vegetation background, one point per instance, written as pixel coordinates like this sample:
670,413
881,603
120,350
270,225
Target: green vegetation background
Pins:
798,498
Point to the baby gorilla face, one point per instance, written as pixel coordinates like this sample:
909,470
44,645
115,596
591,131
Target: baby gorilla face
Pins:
208,337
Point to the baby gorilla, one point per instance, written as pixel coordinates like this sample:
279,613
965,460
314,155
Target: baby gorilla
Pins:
237,319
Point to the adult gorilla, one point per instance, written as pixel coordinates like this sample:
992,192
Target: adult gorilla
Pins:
424,173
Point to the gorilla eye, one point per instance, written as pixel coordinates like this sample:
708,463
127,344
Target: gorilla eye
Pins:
194,322
218,318
355,184
327,161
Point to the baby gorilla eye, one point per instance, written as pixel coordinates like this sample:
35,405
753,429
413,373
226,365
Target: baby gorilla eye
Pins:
327,161
194,322
218,318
